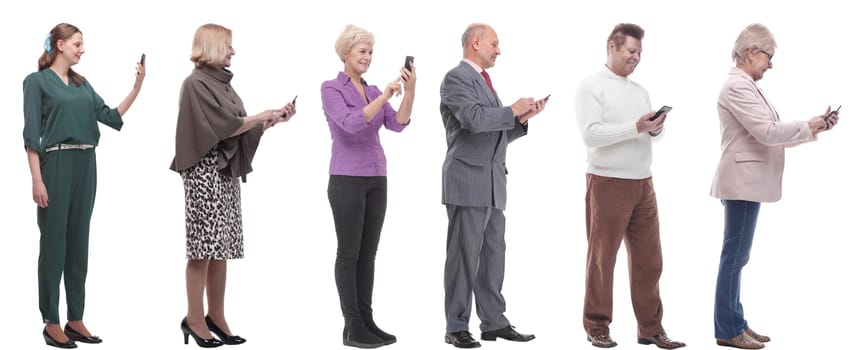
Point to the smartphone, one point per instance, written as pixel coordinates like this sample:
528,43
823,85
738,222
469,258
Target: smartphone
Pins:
835,111
294,100
662,110
547,97
408,61
142,59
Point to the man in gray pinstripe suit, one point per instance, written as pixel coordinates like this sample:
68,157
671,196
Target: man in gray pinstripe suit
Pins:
478,130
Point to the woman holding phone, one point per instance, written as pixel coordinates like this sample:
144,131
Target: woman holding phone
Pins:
357,188
215,144
61,112
750,171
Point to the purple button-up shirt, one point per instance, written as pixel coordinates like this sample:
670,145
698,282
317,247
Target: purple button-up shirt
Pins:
356,147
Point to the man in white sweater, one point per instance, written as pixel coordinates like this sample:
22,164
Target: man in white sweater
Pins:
614,115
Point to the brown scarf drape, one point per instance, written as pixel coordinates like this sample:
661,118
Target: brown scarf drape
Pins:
210,111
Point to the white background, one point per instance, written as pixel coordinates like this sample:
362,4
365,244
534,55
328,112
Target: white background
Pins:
802,286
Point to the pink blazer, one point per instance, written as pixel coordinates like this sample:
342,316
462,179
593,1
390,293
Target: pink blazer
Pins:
753,142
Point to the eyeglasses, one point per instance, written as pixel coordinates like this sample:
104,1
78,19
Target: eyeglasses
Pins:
770,55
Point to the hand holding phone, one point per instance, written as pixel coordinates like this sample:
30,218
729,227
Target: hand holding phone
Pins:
660,111
290,108
537,102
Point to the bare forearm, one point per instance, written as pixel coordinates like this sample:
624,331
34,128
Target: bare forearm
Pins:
404,113
249,123
127,102
33,161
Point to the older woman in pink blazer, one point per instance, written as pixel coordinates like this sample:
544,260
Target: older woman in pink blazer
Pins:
750,172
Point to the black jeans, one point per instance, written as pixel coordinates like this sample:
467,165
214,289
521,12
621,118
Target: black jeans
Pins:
359,204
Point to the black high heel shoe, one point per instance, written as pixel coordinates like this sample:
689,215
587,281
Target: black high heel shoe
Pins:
204,343
227,339
51,342
74,335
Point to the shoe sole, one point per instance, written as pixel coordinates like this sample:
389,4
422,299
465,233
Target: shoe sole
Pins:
729,344
362,345
644,341
495,337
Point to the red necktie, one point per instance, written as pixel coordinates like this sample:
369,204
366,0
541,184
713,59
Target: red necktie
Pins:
488,81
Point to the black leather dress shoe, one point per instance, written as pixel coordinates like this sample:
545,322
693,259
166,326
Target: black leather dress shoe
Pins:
74,335
506,333
461,339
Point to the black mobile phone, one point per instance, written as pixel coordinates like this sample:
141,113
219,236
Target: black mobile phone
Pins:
547,97
408,61
835,111
662,110
294,100
142,59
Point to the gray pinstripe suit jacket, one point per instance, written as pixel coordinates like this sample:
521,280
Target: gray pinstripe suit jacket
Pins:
478,131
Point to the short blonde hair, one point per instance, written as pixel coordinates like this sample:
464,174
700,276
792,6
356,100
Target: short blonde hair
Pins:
211,45
755,36
351,36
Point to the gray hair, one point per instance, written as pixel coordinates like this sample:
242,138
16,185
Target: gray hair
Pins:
473,30
351,36
756,36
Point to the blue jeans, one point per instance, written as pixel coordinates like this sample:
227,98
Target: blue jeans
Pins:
737,239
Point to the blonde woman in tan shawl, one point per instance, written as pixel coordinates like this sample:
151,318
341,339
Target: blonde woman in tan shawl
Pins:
215,144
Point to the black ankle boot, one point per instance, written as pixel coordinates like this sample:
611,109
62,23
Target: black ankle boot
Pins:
386,337
356,334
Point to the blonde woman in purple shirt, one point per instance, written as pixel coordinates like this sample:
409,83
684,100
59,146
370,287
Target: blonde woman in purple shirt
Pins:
357,189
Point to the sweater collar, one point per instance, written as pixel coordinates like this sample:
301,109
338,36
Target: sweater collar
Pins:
609,73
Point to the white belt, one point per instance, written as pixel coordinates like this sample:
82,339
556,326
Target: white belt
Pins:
61,146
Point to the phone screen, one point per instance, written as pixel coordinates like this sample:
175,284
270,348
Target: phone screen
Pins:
408,61
662,110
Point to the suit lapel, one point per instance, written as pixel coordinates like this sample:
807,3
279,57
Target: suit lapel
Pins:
489,94
480,83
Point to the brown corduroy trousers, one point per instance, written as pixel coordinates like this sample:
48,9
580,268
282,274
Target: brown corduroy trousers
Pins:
615,210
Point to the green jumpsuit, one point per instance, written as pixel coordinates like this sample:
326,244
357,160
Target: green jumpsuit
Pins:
57,113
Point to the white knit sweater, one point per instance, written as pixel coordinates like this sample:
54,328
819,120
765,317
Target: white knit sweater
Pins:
607,107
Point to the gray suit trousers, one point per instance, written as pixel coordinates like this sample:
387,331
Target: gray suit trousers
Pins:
475,264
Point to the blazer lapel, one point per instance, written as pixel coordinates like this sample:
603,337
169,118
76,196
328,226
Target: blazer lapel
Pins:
770,106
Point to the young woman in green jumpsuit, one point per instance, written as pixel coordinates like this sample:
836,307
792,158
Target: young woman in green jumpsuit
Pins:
61,111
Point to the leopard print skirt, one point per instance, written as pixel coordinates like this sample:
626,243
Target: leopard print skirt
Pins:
214,228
